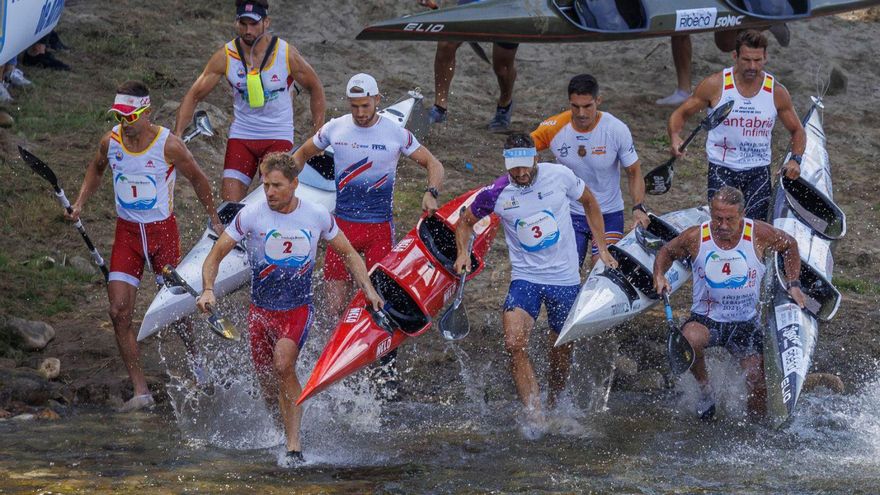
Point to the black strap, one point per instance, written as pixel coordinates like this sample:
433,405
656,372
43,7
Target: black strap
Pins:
266,55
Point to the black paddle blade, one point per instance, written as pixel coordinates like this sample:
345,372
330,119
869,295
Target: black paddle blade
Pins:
679,350
480,52
659,180
454,324
717,116
38,166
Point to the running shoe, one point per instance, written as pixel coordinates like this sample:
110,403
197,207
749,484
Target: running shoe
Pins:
675,99
292,459
437,115
706,404
17,79
137,403
4,93
501,121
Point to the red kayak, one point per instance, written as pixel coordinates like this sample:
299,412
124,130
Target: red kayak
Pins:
416,280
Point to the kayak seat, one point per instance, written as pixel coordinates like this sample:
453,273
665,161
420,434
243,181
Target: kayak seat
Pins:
604,15
634,271
404,313
228,210
814,208
439,240
822,298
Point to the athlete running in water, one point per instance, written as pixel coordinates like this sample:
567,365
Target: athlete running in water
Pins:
727,256
739,149
282,236
533,201
366,150
261,69
144,159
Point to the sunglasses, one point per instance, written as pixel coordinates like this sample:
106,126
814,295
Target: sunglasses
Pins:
129,119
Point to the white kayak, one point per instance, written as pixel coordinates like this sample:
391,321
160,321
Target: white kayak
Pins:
805,209
611,297
316,186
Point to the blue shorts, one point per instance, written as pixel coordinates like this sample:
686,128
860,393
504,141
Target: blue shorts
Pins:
582,234
528,296
740,338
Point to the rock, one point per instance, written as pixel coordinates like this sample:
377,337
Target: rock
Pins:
6,120
626,366
837,81
5,414
50,368
27,386
23,417
649,381
48,415
824,380
8,362
42,263
82,265
34,335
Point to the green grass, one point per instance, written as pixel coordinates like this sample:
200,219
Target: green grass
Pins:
36,291
857,285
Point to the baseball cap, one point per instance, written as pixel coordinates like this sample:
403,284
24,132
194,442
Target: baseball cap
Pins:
127,104
519,157
365,82
251,11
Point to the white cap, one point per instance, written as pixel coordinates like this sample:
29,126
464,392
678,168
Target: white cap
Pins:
363,81
519,157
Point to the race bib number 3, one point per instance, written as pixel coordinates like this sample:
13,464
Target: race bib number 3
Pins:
538,231
135,192
288,249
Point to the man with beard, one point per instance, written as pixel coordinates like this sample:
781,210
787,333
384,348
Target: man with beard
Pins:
145,159
282,235
260,68
366,150
739,149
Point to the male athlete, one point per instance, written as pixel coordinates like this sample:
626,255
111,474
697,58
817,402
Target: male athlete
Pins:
595,146
144,159
533,201
739,149
282,236
260,68
727,256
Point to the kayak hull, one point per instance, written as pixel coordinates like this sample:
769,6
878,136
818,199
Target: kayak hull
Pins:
416,280
611,297
555,21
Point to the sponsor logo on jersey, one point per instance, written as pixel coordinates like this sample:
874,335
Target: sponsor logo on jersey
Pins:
597,150
379,147
275,78
563,150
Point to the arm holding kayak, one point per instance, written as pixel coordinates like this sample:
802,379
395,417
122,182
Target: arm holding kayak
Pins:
786,114
637,191
597,225
464,229
92,180
685,246
221,248
783,243
178,154
426,159
357,268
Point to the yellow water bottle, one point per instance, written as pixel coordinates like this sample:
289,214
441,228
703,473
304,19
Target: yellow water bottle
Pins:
256,99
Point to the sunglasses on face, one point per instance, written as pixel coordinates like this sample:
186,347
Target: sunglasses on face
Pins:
129,119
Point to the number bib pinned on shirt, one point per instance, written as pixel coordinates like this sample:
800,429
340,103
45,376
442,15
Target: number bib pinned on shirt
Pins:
136,192
290,250
537,232
727,270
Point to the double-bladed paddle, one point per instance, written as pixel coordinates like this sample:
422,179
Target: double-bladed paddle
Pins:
454,324
659,180
201,126
678,349
218,323
43,170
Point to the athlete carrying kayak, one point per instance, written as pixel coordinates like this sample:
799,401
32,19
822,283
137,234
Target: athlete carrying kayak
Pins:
595,146
533,201
281,235
727,255
366,151
261,69
738,149
144,159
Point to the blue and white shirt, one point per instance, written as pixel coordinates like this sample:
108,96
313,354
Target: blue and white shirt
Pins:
537,224
282,249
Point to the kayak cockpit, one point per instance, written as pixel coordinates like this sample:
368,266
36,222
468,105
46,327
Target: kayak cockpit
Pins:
814,208
401,310
772,9
822,298
604,16
439,240
634,272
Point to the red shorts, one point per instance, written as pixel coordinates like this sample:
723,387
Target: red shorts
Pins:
243,156
372,240
268,326
156,243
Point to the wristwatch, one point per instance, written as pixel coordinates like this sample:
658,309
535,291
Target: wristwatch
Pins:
641,207
433,190
793,283
797,158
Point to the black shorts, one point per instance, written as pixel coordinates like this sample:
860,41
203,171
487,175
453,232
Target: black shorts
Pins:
740,338
754,184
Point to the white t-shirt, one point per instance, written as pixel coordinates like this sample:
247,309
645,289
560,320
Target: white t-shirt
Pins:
366,165
537,224
282,248
596,157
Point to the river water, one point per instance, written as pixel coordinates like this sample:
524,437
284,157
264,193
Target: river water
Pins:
221,440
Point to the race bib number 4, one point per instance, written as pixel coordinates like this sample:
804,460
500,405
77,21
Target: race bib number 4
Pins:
135,192
726,270
290,249
538,231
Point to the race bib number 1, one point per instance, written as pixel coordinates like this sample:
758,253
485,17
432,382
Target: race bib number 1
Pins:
538,231
135,192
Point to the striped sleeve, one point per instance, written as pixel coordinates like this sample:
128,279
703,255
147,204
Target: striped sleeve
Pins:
408,144
239,227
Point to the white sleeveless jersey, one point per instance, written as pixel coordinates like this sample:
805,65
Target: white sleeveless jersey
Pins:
143,182
274,120
742,141
727,283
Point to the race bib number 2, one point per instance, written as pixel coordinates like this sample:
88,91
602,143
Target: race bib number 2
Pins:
538,231
291,249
